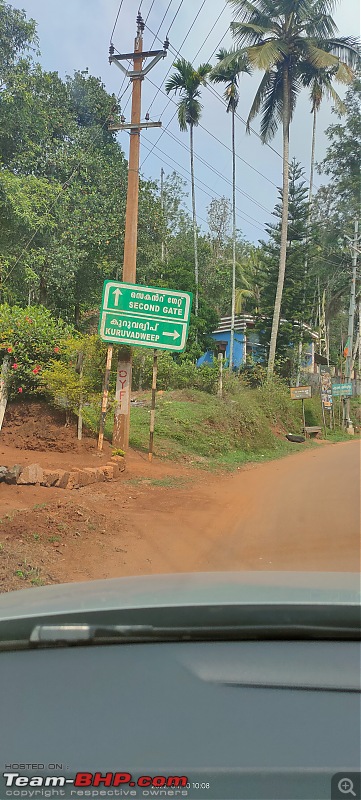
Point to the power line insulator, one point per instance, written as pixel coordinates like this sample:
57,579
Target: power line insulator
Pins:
147,116
111,50
140,23
166,43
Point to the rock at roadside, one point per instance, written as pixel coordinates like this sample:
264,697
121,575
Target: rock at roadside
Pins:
30,475
109,471
119,464
50,477
13,474
3,473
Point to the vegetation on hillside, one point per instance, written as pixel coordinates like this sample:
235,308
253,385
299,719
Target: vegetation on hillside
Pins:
63,177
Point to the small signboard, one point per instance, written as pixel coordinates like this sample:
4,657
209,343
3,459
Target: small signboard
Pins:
301,392
144,316
342,389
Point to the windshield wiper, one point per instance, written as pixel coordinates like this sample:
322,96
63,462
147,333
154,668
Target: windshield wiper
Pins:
68,635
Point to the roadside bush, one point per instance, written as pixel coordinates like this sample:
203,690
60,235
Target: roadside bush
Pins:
172,375
30,339
77,374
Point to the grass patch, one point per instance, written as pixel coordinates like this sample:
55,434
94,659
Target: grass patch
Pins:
28,573
247,425
168,482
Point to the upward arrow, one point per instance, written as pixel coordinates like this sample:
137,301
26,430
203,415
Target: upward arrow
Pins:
117,293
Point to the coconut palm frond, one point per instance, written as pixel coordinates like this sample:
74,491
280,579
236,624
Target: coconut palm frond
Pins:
241,295
272,106
266,55
259,98
316,56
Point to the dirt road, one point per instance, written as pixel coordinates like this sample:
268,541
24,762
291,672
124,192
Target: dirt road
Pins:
298,513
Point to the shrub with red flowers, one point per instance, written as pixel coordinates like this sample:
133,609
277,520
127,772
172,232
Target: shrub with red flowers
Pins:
30,339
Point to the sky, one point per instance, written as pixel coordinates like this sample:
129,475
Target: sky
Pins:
75,35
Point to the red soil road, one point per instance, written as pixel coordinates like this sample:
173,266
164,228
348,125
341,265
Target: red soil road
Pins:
298,513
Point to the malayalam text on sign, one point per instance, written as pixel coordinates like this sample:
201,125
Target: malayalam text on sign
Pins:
144,316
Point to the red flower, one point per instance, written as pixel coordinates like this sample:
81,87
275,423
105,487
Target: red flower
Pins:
10,349
56,349
15,366
36,370
20,390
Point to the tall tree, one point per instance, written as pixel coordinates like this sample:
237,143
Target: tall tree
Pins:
320,84
188,81
17,38
283,39
294,290
228,71
319,81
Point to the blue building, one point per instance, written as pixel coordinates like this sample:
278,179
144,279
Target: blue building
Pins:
246,343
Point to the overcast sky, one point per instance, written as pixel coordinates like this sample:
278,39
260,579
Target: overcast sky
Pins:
75,34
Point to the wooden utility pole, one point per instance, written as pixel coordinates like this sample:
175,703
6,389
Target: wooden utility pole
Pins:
124,373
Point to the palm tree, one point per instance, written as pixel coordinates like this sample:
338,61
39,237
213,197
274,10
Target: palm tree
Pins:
187,81
319,81
229,72
283,38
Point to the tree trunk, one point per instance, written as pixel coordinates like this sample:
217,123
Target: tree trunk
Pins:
234,232
312,169
312,156
284,228
77,314
42,289
196,273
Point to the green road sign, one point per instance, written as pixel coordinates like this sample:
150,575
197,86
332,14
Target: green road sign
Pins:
144,316
342,389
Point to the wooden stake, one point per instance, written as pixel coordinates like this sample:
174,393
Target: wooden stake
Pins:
105,397
152,408
220,378
79,369
3,389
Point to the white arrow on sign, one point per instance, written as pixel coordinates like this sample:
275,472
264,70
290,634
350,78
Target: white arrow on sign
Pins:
173,335
117,293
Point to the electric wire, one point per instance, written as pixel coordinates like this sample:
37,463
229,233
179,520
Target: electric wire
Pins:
221,99
156,36
175,17
219,174
184,40
149,12
211,193
165,129
116,20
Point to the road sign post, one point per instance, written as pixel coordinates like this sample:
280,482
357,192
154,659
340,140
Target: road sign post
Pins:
144,316
301,393
140,316
152,410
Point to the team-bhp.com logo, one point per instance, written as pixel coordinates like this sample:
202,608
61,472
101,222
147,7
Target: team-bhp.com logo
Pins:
95,779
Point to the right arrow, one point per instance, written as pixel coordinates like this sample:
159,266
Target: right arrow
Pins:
173,335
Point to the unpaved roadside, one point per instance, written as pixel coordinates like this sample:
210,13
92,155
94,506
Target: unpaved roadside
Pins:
299,513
